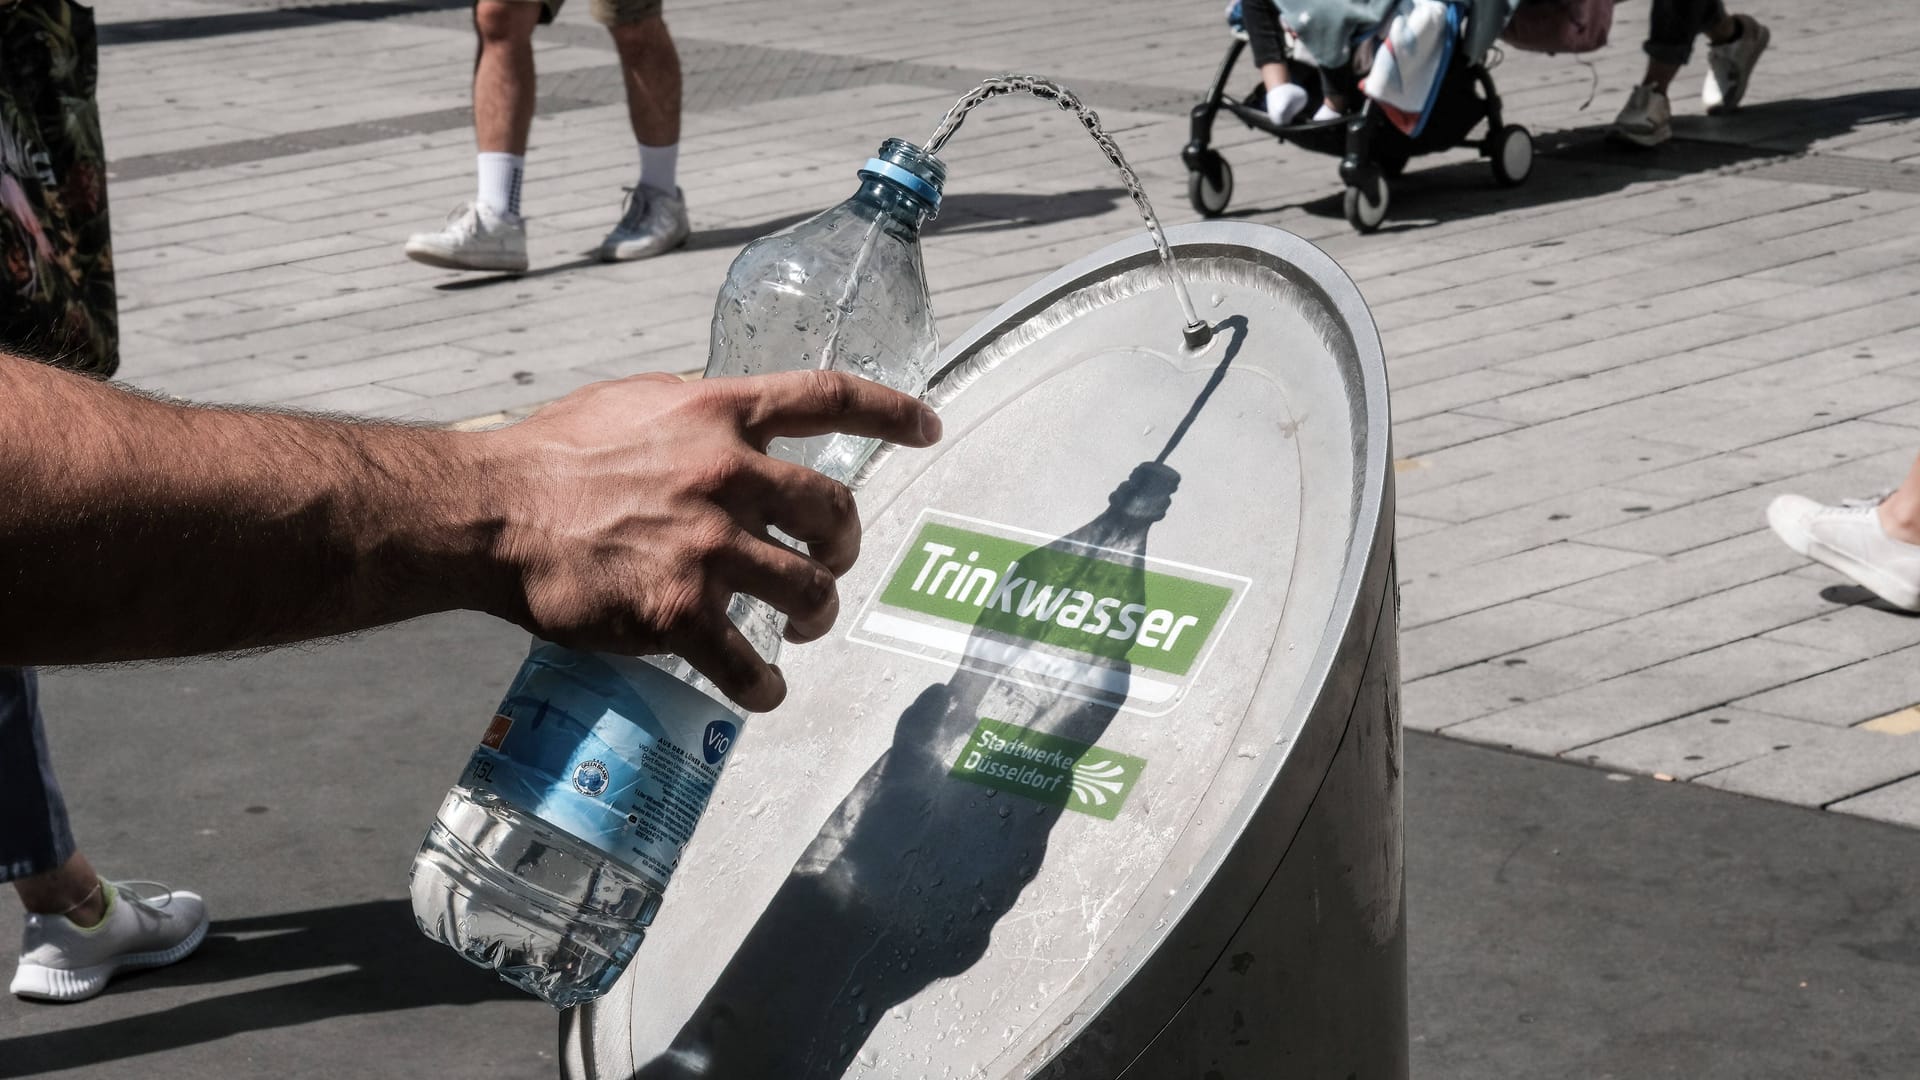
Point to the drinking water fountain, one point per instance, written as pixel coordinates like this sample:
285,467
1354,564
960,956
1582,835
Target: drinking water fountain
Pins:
1099,775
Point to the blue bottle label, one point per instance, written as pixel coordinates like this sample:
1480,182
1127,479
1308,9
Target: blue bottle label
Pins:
610,750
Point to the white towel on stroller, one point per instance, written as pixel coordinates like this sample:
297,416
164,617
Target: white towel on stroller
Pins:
1406,72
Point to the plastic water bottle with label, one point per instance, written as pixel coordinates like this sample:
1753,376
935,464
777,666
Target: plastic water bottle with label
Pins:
549,857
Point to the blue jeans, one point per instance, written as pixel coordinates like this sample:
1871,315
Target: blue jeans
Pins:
35,836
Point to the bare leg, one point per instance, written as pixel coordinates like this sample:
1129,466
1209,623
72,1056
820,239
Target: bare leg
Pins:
1900,513
1659,75
503,79
73,890
653,79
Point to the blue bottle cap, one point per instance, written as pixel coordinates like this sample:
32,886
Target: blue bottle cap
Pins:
907,166
887,170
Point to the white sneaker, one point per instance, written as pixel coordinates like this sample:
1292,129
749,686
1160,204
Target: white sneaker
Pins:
1730,65
63,962
653,223
476,237
1647,120
1849,539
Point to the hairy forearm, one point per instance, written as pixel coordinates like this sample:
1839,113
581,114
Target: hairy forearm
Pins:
133,528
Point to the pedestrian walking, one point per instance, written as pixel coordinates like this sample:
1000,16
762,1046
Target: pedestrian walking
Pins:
1736,42
489,232
57,297
1874,541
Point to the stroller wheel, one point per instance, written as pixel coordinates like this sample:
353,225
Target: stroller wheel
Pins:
1210,187
1512,154
1366,203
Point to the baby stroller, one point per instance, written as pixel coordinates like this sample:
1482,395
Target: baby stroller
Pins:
1372,149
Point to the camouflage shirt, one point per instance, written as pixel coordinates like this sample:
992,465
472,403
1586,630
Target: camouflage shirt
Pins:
56,254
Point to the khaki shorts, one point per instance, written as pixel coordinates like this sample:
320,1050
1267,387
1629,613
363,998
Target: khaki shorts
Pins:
605,12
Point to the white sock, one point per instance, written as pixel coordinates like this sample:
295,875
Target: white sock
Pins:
500,176
1325,112
658,165
1285,101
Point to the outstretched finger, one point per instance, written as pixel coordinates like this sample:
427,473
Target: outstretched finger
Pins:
727,658
799,404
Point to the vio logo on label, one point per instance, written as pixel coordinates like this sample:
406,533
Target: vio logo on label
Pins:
718,740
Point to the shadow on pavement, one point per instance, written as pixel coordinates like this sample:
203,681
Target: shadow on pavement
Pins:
961,214
1858,596
193,27
990,211
1583,163
391,967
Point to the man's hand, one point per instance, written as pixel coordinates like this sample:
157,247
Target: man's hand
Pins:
639,508
620,518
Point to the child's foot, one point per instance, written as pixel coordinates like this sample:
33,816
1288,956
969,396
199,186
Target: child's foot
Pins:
1284,102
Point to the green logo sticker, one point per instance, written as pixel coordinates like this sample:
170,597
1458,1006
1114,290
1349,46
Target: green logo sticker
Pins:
1113,626
1048,769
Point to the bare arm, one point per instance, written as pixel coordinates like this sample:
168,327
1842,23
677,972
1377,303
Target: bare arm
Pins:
620,518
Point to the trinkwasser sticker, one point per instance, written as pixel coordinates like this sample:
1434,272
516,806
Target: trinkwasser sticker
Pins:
1107,626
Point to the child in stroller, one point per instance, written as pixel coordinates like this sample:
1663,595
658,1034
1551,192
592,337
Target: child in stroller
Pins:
1374,140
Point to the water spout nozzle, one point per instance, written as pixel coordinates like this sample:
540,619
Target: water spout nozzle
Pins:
1197,335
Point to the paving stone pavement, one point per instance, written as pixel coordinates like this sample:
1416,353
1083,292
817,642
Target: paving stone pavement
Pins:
1599,378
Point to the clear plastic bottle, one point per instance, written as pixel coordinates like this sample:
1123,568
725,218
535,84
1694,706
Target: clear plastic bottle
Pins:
548,858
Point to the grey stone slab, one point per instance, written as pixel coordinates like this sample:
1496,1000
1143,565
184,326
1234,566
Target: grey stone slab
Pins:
192,382
1489,632
1578,465
1433,597
1407,526
1836,266
1683,630
482,400
473,370
393,369
1897,803
1848,695
1864,627
1441,702
1617,706
1736,513
1620,379
1790,456
1690,746
1846,764
1775,381
1508,531
1437,431
1857,292
1673,579
357,400
1812,335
